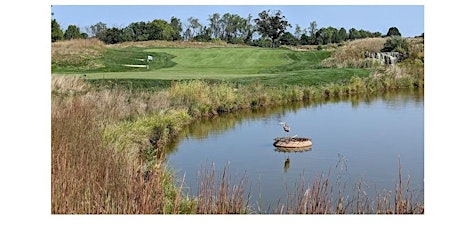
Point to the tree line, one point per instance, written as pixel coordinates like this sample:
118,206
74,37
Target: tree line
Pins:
269,29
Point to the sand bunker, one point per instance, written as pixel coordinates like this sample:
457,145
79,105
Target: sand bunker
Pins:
138,66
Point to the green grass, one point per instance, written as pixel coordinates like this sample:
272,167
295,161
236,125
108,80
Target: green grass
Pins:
243,65
113,60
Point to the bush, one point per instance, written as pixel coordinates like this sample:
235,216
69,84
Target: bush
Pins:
396,44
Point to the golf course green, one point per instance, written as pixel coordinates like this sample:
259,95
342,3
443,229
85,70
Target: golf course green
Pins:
234,64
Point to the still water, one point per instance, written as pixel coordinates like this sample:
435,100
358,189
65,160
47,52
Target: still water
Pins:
362,139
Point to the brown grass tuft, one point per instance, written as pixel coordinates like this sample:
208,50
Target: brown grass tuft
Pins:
352,53
77,52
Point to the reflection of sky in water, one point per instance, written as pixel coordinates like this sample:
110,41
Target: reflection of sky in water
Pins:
367,138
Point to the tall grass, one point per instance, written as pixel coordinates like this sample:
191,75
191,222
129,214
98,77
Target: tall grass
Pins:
89,178
352,54
208,99
216,195
77,53
323,196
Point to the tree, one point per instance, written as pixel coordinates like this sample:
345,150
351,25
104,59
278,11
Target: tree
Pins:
97,29
176,24
312,29
187,34
126,34
229,25
214,25
271,25
139,31
393,31
248,29
56,32
396,44
204,35
160,30
288,39
298,31
376,34
194,26
353,34
112,36
234,28
331,35
342,36
72,32
320,36
304,40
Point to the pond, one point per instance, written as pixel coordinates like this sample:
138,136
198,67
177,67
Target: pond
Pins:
360,140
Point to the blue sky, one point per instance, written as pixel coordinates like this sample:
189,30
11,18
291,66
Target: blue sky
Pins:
409,19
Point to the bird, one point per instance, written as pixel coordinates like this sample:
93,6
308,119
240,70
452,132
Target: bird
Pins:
285,126
286,164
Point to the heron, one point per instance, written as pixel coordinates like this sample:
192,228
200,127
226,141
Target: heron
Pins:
285,126
286,164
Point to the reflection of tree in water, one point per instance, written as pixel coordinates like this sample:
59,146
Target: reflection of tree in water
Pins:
202,128
389,98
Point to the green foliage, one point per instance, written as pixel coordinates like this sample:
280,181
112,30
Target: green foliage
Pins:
112,36
326,35
56,32
72,32
271,25
230,28
353,34
139,31
98,29
342,35
312,29
176,25
161,30
204,35
393,31
396,44
288,39
262,42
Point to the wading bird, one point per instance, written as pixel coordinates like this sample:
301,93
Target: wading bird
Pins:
285,126
286,164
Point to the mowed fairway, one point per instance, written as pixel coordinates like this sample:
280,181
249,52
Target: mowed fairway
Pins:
222,61
235,64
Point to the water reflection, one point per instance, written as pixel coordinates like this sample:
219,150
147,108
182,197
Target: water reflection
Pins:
287,151
216,125
370,133
286,164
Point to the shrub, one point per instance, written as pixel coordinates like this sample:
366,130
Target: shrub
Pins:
396,44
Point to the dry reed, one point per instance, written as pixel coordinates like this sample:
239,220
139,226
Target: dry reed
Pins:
89,178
